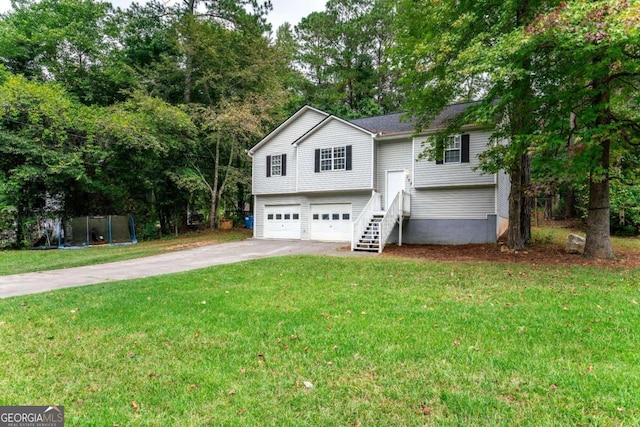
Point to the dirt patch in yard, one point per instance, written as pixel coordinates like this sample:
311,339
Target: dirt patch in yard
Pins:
538,254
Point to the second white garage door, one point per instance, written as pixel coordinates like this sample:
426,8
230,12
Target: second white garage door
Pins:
282,222
331,222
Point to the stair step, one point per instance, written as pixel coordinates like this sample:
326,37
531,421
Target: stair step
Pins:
366,249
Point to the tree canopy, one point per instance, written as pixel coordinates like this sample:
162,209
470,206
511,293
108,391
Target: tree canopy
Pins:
150,109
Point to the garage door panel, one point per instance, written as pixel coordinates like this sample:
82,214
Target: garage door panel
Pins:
331,222
282,222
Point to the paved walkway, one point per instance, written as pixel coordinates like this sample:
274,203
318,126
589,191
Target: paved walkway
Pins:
173,262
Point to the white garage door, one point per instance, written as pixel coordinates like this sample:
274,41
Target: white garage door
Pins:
282,222
331,222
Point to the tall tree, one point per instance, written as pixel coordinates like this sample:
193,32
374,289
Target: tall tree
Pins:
450,51
343,54
43,141
597,85
67,41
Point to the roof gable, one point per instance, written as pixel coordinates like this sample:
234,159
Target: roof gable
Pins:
324,123
284,124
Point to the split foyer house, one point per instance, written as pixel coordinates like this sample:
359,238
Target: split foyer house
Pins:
320,177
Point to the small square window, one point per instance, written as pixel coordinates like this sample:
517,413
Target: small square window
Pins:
316,217
278,216
335,217
287,216
270,216
346,216
325,217
296,216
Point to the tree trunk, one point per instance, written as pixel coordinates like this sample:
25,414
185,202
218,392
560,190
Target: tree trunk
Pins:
213,218
188,63
525,213
598,244
570,204
514,235
548,207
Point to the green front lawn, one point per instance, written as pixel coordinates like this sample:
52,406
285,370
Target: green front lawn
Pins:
330,341
24,261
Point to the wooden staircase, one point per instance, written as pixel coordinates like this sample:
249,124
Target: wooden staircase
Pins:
370,238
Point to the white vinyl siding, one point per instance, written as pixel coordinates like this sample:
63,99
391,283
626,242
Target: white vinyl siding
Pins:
461,203
281,143
504,189
429,174
391,156
331,135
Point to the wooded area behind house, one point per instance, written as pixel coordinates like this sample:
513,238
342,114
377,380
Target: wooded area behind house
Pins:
150,110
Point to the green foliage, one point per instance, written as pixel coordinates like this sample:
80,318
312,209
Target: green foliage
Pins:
343,53
625,209
69,41
558,79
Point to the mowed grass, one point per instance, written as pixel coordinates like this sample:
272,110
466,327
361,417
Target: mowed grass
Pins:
331,341
24,261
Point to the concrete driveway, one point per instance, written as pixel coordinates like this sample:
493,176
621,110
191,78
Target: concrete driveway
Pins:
173,262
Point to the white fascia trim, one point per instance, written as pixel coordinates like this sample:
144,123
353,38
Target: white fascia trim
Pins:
324,123
373,160
283,125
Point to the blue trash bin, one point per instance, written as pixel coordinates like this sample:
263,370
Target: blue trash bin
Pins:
248,222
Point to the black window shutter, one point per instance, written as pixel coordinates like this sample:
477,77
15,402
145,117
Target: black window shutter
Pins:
268,166
464,156
284,165
348,158
317,160
439,152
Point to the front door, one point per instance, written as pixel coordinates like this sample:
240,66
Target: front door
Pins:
395,183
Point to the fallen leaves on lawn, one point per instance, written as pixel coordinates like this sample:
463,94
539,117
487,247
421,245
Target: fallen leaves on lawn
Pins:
425,410
135,406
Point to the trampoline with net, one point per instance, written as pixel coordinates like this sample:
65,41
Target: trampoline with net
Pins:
88,231
99,230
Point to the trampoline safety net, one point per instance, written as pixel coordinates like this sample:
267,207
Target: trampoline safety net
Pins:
99,230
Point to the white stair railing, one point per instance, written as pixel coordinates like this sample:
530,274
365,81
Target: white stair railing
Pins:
390,219
360,224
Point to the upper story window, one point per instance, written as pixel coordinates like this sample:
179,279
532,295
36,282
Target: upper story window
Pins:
332,159
277,165
452,149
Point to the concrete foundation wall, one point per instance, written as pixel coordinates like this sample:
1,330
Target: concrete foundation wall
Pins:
447,231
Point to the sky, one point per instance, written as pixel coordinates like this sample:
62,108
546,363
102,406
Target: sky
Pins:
283,10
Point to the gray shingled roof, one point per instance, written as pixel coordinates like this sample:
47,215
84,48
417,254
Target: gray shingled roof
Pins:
400,122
